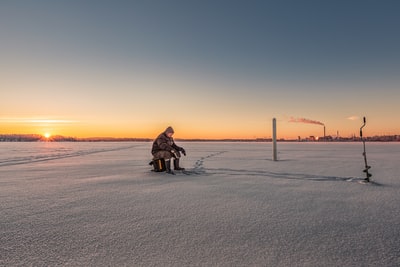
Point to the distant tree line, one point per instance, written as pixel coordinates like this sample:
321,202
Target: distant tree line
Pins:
21,137
59,138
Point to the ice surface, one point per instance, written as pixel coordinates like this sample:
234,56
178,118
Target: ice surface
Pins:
98,204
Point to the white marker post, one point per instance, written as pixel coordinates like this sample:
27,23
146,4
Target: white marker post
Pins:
274,139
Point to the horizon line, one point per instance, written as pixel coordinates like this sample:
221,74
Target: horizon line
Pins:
60,138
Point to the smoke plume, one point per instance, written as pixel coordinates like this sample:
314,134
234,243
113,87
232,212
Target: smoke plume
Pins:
353,118
304,120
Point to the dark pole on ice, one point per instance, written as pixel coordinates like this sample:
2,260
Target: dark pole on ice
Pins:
365,154
275,157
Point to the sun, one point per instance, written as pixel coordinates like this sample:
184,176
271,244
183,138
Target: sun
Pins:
47,135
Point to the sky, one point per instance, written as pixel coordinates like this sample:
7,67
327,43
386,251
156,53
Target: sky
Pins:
209,69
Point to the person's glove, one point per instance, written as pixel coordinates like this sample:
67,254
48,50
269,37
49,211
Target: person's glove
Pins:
183,151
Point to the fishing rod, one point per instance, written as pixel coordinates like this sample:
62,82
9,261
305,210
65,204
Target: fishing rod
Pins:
367,167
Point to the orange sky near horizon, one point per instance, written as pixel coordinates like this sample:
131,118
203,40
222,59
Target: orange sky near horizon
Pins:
85,129
206,108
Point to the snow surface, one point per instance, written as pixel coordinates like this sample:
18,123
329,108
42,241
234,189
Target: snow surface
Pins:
98,204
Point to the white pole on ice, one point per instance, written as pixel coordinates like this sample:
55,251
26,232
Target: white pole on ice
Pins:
274,139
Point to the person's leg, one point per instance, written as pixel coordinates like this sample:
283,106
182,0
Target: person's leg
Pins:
177,156
168,166
163,154
176,165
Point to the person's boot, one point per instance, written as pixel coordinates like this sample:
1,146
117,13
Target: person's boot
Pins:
176,165
168,167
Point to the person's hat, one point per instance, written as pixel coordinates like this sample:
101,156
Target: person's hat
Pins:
169,130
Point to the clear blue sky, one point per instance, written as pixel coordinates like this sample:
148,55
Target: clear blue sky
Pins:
209,68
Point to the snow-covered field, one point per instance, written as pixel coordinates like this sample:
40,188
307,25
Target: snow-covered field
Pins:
98,204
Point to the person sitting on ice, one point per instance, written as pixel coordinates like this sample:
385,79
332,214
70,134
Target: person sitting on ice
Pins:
165,148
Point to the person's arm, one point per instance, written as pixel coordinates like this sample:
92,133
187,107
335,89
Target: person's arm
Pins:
178,148
162,143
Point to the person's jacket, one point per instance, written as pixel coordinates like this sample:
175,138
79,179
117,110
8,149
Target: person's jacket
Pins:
163,142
